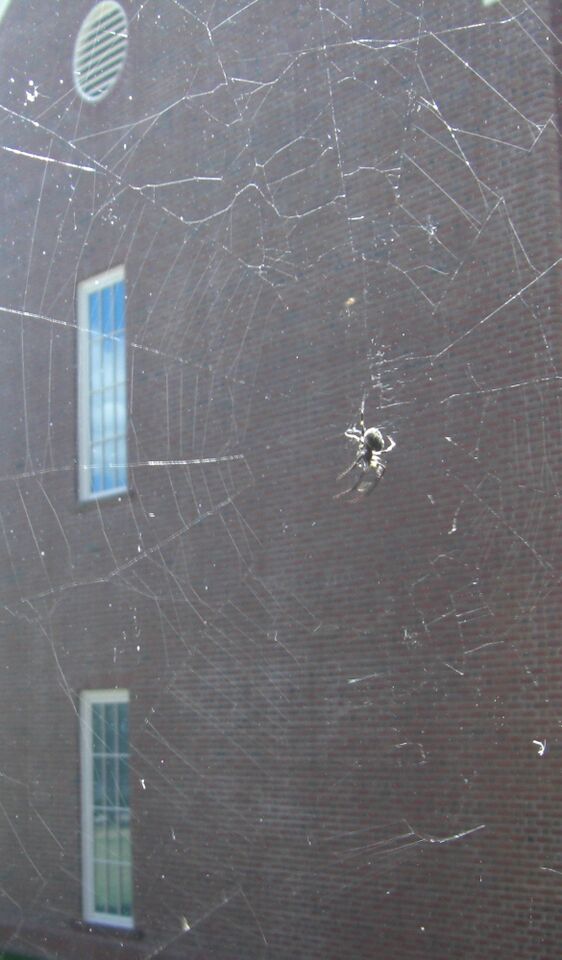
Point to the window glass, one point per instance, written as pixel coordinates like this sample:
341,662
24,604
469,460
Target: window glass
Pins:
103,388
106,839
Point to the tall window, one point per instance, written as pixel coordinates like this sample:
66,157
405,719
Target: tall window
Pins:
106,812
102,386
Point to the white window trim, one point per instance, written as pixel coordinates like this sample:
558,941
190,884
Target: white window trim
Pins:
4,4
85,288
87,699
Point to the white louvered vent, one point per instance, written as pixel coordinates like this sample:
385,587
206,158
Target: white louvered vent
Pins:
100,50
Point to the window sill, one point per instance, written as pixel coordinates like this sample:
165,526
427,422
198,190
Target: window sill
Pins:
105,499
106,930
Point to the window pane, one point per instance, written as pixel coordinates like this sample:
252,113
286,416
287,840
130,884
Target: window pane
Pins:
123,794
95,363
126,891
100,835
124,836
97,727
100,888
109,465
112,835
111,781
121,409
119,305
108,351
111,727
113,893
96,418
99,781
95,312
105,366
107,311
123,717
120,357
108,414
97,484
107,839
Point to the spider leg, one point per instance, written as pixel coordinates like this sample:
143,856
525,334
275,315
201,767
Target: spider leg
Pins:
355,463
362,419
349,489
365,485
392,445
353,433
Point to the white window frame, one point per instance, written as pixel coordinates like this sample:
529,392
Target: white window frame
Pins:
92,285
87,699
4,4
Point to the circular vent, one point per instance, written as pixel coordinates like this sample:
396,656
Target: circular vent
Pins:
100,50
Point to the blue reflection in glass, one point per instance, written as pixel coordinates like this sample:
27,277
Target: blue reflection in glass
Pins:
97,468
95,314
96,424
121,461
107,310
108,391
108,466
119,306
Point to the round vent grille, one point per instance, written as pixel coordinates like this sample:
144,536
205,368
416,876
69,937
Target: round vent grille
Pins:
100,50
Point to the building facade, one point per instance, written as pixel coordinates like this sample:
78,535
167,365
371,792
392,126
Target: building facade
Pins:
249,712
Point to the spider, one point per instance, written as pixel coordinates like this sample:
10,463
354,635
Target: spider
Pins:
371,444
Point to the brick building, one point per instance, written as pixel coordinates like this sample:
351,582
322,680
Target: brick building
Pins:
243,716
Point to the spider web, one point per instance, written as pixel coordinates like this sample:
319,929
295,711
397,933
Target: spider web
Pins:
344,716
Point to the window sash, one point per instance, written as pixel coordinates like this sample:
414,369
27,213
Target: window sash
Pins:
106,814
102,389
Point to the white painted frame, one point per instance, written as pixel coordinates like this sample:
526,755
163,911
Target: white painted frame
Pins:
4,4
93,284
87,699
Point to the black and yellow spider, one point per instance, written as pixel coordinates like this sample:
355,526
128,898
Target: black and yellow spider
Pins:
371,445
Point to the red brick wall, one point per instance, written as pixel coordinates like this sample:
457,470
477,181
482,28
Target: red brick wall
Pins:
337,708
